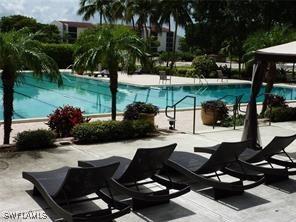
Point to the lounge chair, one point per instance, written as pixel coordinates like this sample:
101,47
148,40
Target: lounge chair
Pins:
258,160
221,76
143,169
66,186
163,77
104,73
204,170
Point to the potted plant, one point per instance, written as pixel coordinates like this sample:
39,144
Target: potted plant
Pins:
213,111
140,110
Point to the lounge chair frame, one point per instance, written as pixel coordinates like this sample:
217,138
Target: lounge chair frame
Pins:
142,170
56,204
222,189
273,173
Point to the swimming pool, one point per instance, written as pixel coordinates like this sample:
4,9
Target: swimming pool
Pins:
37,98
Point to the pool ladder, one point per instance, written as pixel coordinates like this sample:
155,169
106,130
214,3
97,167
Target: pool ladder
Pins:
172,119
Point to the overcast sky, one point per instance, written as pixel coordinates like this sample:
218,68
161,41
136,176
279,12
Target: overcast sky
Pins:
46,11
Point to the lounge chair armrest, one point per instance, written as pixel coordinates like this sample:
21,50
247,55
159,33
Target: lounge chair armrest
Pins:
264,170
209,149
282,162
145,196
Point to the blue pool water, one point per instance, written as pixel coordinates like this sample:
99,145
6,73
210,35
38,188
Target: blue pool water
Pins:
37,98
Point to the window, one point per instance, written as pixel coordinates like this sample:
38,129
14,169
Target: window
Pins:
169,41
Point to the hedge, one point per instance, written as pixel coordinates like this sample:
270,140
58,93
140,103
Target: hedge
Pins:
281,114
35,139
106,131
61,53
179,71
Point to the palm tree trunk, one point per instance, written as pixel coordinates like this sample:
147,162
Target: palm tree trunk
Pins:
133,22
101,18
8,85
270,75
113,89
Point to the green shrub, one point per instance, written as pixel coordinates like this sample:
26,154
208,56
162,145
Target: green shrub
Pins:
186,56
228,121
204,65
281,114
35,139
181,71
133,110
106,131
61,53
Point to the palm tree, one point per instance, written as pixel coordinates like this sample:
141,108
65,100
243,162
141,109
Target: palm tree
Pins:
17,52
88,8
109,46
179,10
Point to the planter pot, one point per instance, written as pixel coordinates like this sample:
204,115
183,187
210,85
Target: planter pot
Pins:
210,117
149,117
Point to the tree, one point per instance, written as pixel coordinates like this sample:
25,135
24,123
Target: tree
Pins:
48,34
45,33
17,22
17,52
88,8
179,10
109,46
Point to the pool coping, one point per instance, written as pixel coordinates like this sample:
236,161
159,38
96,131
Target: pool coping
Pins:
102,115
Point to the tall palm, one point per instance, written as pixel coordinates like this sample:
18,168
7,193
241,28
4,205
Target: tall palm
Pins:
17,52
88,8
179,10
109,46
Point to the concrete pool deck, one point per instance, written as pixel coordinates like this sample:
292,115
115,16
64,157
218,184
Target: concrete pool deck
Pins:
153,80
263,203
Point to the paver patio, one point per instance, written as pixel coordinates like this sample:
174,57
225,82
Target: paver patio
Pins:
263,203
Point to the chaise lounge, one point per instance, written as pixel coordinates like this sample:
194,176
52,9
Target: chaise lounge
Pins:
67,186
258,160
204,170
143,169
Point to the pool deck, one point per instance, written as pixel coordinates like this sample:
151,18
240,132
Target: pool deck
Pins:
153,80
263,203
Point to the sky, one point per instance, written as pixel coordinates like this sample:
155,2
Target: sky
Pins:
46,11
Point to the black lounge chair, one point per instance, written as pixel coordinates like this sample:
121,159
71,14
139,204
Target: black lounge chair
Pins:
204,170
66,186
143,169
257,160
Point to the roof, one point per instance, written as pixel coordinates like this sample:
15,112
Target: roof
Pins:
78,24
280,53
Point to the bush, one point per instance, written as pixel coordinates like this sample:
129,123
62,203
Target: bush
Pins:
281,114
132,111
61,53
181,71
63,119
275,100
37,139
228,121
106,131
204,65
186,56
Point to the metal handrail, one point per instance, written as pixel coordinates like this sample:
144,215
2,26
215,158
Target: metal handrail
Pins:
202,76
173,118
